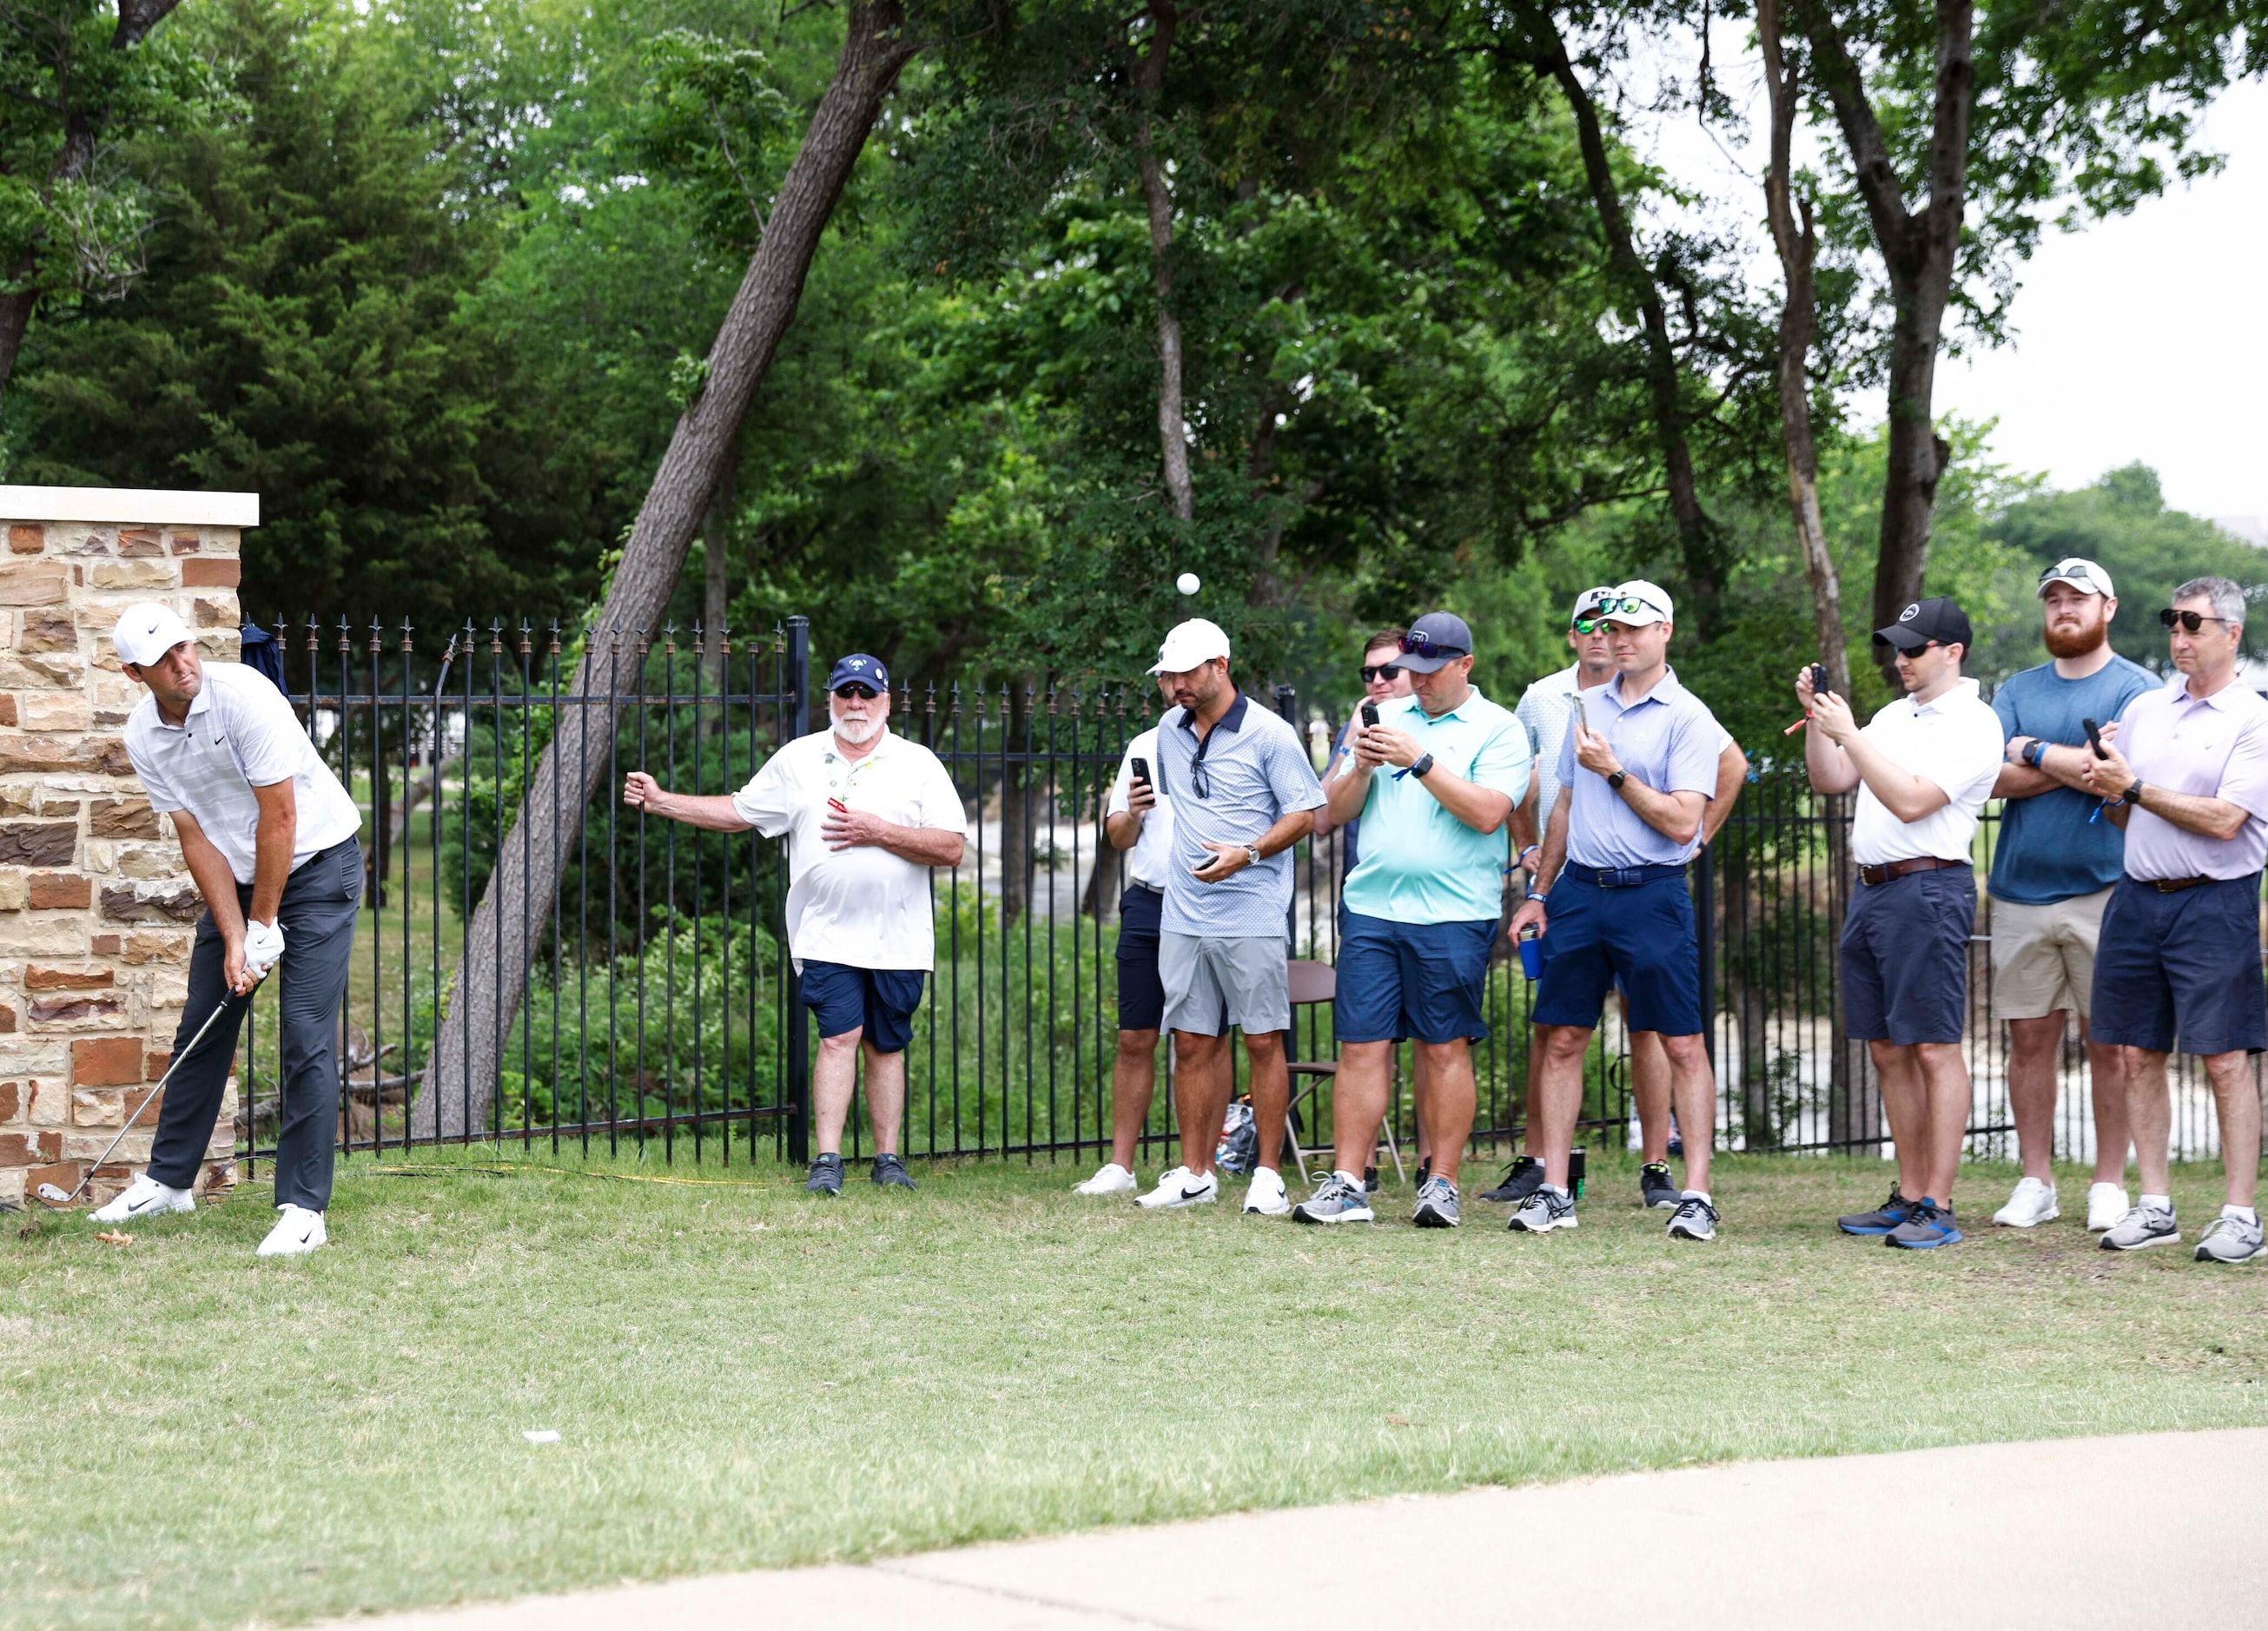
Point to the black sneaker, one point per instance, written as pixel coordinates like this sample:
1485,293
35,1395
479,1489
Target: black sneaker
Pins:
1520,1179
890,1173
1370,1180
1424,1170
826,1176
1655,1192
1894,1212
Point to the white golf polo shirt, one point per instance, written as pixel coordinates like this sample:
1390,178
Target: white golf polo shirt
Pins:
863,907
1152,855
240,733
1956,742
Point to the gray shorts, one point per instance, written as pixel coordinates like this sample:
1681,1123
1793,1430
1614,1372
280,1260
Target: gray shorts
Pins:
1211,984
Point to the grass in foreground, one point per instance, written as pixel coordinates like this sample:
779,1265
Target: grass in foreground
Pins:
743,1376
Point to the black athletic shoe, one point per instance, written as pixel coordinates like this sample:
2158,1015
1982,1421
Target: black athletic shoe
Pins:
1424,1170
1370,1180
890,1173
1893,1215
826,1176
1655,1192
1521,1180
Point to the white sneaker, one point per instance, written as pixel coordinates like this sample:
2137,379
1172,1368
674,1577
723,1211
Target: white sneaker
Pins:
2034,1204
1112,1179
1265,1195
2106,1204
1180,1188
296,1231
144,1197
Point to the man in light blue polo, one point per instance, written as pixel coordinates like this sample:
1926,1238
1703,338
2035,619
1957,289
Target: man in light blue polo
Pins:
1638,773
1433,781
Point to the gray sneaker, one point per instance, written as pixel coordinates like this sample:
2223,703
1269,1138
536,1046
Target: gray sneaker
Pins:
1337,1202
1437,1204
1545,1210
2230,1240
1695,1219
2143,1225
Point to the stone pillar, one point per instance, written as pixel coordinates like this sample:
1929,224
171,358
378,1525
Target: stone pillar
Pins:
96,907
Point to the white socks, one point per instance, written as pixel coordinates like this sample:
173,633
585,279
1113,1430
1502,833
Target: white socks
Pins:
2243,1214
2163,1203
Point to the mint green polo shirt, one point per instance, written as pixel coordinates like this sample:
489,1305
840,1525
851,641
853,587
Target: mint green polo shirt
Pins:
1419,863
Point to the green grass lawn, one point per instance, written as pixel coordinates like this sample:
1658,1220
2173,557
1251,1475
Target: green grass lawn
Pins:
745,1376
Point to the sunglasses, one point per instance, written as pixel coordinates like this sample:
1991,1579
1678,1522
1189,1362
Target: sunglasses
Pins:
864,694
1418,644
1380,671
2070,571
2190,621
1614,604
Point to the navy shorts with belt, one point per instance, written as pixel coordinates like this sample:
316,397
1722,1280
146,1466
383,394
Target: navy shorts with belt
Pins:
1905,958
1397,981
1637,927
1141,993
879,1001
2181,968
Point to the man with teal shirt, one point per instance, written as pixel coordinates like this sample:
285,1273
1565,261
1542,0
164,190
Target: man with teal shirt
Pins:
1434,781
2052,874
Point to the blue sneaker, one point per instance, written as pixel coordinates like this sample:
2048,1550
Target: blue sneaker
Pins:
1930,1226
1894,1212
1337,1202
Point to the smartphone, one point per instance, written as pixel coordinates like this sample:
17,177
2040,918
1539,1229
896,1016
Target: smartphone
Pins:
1819,680
2093,737
1141,769
1370,713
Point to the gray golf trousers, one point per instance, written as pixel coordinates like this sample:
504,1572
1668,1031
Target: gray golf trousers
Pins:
317,916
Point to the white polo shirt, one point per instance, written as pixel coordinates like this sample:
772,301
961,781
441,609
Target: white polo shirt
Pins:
240,733
1955,742
863,906
1152,855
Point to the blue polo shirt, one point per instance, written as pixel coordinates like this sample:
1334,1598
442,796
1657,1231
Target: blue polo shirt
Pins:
1420,864
1667,739
2051,847
1255,770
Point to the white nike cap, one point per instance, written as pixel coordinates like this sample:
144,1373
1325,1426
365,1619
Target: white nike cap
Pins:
1200,640
146,631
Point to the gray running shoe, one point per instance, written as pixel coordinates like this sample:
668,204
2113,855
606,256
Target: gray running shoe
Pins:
1695,1219
890,1173
2143,1225
1337,1202
1545,1210
2230,1240
1655,1189
1437,1204
826,1176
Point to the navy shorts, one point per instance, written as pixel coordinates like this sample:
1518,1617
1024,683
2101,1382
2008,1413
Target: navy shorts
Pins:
1905,958
1141,994
2181,969
1642,936
1397,981
880,1002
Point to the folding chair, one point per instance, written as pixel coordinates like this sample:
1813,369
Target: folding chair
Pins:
1313,982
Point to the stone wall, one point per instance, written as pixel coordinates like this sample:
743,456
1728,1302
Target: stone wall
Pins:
96,907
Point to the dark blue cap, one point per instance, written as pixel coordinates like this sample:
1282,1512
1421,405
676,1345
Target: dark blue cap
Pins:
859,669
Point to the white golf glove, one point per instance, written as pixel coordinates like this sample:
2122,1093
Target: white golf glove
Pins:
263,947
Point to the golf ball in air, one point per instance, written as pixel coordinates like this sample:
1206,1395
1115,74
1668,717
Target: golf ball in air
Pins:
1187,583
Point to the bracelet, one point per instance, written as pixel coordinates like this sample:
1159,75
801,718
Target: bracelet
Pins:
1531,850
2033,751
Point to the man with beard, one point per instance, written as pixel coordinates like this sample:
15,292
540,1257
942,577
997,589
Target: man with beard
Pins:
867,813
2052,873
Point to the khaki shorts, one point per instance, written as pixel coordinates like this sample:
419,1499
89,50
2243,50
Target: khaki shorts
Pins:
2043,956
1211,984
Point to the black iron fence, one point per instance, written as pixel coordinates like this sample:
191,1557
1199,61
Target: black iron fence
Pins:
662,1017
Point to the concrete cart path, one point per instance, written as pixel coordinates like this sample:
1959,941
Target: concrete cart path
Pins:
2156,1531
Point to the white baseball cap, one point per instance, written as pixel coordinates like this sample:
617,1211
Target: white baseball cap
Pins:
1638,602
146,631
2079,573
1200,640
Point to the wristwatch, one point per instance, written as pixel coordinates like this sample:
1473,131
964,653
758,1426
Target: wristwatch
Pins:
2133,794
1616,780
1422,767
2033,750
1252,854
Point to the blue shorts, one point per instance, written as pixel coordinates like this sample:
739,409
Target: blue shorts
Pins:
1905,958
2181,969
1397,981
880,1002
1141,994
1641,936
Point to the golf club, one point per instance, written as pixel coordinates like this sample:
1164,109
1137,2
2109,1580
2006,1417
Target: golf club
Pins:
52,1194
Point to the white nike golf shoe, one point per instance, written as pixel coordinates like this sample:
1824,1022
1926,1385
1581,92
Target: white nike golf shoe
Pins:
297,1231
1181,1188
1112,1179
144,1197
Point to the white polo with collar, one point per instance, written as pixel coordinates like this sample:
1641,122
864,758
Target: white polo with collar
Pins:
239,734
1956,742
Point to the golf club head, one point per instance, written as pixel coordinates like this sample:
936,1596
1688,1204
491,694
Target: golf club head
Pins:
53,1194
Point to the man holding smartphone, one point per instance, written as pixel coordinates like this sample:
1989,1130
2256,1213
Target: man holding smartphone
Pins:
1137,818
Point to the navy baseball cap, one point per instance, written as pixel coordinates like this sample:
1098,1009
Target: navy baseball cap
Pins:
859,669
1434,641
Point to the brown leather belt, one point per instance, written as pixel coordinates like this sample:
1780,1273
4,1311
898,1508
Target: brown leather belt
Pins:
1874,876
2169,885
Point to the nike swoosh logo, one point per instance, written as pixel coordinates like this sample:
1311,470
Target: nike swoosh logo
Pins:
1191,1194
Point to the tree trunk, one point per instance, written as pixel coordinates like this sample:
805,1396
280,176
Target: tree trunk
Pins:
491,982
1158,192
1919,249
716,596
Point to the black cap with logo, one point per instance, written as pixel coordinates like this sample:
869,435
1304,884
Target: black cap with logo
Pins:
1936,620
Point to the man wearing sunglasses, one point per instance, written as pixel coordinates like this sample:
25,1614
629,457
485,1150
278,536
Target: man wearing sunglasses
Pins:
866,814
1637,774
2187,778
1243,795
1434,781
1923,767
2052,869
